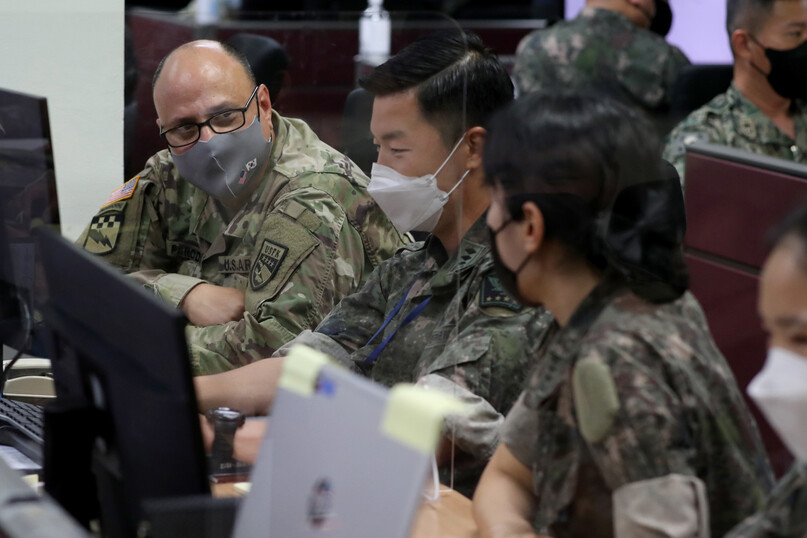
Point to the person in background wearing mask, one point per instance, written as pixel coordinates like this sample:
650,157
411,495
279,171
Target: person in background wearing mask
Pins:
589,221
435,313
780,388
607,48
763,110
247,222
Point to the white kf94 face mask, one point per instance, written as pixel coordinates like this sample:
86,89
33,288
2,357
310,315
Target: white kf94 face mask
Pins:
411,203
780,391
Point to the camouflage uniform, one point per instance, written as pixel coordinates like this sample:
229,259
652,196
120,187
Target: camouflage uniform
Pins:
308,236
600,49
630,391
785,513
730,119
472,339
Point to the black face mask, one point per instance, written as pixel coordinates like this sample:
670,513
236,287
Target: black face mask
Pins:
788,76
507,277
662,22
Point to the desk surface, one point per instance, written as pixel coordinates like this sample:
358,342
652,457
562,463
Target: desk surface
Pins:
449,517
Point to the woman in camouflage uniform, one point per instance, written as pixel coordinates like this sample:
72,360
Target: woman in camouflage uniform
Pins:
589,221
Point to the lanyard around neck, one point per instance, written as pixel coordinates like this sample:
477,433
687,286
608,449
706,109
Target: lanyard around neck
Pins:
370,360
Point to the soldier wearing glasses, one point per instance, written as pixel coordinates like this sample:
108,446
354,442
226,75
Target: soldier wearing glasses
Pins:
248,222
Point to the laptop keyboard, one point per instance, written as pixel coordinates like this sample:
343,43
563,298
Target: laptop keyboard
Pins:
22,426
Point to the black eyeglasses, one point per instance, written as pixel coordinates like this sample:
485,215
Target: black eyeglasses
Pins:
222,122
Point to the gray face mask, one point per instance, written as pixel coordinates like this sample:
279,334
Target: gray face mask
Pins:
227,163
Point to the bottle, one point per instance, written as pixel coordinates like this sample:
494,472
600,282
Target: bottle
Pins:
374,33
208,12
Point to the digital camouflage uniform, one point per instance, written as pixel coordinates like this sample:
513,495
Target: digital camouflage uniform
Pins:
472,340
785,512
730,119
630,391
307,237
603,50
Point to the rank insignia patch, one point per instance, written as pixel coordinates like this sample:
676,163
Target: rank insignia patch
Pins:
102,236
266,263
494,294
123,192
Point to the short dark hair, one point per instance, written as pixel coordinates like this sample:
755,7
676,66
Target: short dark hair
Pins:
793,227
747,14
593,167
459,81
228,49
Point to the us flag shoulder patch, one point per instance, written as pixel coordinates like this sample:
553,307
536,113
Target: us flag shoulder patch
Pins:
123,192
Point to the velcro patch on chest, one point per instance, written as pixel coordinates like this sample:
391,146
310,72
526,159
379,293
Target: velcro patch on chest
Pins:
123,192
235,264
494,294
266,263
102,237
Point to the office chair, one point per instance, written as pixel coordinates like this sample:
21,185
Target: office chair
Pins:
696,85
267,58
357,142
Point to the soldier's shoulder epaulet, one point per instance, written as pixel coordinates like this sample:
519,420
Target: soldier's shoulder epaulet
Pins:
493,294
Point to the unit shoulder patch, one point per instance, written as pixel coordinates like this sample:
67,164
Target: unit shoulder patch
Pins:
102,237
123,192
494,294
266,264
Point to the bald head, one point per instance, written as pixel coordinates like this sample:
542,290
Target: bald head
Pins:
202,78
205,45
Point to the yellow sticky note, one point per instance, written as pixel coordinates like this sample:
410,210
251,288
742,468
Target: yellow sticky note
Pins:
414,415
301,369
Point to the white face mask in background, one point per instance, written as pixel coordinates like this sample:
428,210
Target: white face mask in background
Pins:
780,391
411,203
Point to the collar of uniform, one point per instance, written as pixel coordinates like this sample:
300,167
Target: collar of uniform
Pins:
612,18
589,310
748,117
472,248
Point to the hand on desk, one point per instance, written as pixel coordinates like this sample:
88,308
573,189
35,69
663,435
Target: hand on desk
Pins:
207,304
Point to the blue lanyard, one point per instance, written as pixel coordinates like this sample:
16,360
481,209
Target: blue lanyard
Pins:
370,360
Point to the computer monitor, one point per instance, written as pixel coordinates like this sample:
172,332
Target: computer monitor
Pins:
733,198
124,390
27,200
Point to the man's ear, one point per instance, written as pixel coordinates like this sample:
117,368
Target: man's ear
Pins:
264,101
741,44
534,228
475,140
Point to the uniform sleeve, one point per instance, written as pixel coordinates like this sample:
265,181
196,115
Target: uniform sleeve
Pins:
486,364
308,258
632,421
785,512
128,233
520,433
694,128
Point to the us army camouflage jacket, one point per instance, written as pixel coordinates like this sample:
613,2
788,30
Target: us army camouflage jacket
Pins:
629,391
730,119
471,340
308,236
603,50
785,513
